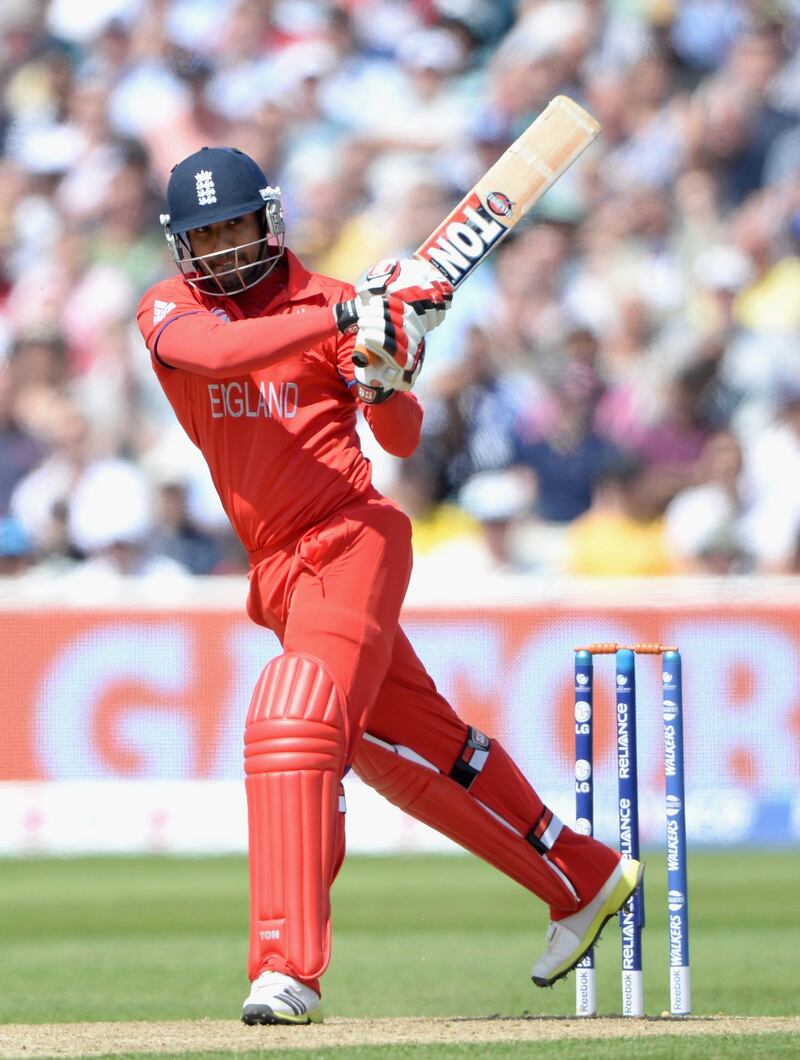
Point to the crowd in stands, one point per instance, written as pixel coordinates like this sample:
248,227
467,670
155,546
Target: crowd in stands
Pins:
617,392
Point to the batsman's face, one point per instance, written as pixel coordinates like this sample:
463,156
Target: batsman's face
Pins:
229,247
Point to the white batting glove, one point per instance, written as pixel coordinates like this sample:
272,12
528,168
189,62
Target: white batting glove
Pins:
416,282
389,351
366,306
378,379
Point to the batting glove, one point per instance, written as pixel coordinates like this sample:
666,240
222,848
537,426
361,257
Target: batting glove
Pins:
378,377
417,283
368,309
389,351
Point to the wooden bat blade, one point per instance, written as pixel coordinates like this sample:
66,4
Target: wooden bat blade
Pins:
507,191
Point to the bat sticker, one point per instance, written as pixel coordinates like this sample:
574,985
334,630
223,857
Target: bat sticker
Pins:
464,240
499,203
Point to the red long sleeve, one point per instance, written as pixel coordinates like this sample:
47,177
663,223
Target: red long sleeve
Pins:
200,342
396,424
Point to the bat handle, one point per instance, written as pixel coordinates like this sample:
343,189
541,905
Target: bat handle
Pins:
361,357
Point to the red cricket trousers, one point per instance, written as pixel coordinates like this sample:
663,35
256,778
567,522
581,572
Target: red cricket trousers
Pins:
335,595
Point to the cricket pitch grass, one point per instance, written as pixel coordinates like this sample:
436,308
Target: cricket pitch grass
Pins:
145,957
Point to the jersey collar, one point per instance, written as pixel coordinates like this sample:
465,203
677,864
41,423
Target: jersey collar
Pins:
294,284
302,285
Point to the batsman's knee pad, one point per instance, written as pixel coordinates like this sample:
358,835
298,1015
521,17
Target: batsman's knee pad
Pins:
446,802
294,747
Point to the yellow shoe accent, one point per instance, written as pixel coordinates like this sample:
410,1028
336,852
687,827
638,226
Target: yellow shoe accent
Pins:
569,940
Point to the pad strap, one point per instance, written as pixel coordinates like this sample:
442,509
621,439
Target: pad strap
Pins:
472,758
544,832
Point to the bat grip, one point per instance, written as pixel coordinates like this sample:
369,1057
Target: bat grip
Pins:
361,357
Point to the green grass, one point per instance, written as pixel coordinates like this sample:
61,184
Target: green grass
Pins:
161,938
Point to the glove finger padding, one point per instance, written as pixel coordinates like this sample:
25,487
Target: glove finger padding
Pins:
381,376
367,308
417,283
392,331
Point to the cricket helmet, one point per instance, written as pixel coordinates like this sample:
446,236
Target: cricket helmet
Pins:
218,184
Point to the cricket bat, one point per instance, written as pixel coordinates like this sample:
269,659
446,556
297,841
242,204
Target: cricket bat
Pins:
506,192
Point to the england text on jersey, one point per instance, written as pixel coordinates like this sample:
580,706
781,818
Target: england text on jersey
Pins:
251,400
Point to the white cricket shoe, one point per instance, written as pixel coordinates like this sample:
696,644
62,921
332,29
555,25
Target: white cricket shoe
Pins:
277,998
569,939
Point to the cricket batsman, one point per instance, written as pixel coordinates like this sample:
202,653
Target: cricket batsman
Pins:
256,356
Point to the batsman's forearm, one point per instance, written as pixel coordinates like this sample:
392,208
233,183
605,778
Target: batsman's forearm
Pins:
396,424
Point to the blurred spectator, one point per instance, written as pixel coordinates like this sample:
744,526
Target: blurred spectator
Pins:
721,274
39,361
124,236
195,125
753,363
17,554
434,522
562,449
627,363
427,113
768,304
727,138
40,502
146,89
527,312
126,556
650,308
360,82
19,450
498,500
242,79
78,22
380,24
472,415
85,188
653,146
233,558
622,532
177,536
704,30
407,200
772,485
77,501
705,522
479,535
672,445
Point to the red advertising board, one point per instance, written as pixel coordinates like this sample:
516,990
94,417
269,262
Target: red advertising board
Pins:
144,693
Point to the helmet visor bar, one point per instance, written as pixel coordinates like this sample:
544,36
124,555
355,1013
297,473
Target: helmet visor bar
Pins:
230,271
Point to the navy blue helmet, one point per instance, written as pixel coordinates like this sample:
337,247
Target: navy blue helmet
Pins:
218,184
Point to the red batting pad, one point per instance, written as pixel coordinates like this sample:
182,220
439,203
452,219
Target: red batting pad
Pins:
440,802
294,758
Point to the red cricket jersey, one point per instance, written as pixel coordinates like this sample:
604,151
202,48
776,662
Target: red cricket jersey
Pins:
262,384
